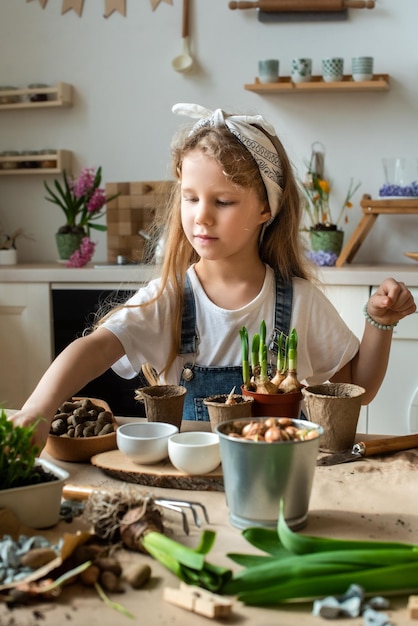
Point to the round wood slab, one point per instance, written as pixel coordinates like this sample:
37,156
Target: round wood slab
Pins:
163,474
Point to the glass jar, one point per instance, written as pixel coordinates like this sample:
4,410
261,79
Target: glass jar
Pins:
30,163
50,160
8,98
38,97
9,165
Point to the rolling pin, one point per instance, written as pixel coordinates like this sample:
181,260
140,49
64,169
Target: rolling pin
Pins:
279,6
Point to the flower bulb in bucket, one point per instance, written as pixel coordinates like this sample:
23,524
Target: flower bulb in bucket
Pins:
260,468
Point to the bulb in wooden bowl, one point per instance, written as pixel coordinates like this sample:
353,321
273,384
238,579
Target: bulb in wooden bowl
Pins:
81,428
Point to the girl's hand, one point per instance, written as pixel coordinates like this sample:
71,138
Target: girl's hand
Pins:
26,418
391,302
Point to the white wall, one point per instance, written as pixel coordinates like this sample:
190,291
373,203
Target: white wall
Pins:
125,87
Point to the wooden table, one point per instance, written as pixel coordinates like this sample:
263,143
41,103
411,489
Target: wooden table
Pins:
371,211
374,499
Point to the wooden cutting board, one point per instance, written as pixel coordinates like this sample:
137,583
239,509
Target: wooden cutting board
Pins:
163,474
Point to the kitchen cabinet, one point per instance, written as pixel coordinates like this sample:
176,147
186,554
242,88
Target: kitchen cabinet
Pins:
395,407
394,410
349,301
379,82
60,95
25,339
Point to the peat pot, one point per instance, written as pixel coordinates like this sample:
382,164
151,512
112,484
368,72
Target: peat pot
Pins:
220,412
257,475
336,407
37,506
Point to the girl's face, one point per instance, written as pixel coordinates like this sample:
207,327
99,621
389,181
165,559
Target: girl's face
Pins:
219,219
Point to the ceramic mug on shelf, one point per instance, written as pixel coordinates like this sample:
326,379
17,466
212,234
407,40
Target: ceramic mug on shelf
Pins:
362,68
332,69
268,70
301,69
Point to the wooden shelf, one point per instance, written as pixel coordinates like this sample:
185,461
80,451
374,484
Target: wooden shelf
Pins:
62,158
371,210
379,82
60,95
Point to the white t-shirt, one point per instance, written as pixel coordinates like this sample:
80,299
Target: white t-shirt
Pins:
325,343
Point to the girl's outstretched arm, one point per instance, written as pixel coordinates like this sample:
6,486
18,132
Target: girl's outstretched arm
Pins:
388,305
80,362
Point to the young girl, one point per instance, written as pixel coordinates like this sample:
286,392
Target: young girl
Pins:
233,258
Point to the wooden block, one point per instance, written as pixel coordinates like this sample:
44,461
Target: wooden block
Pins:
125,228
200,601
412,607
112,188
124,202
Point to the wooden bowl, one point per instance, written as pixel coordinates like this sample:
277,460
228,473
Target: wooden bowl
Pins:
81,449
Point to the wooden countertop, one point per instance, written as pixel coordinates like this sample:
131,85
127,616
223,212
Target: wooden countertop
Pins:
132,275
370,499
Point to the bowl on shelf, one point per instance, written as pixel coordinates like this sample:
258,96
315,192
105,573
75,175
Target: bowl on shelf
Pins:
194,452
61,443
145,443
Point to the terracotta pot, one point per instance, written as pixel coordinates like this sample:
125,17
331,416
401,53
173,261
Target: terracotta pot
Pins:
275,404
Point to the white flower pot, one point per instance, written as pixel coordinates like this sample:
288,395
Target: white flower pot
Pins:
8,257
37,506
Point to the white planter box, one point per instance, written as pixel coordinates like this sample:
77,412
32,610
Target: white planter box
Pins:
37,506
8,257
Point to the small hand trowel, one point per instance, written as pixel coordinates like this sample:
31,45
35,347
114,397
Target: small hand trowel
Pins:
364,449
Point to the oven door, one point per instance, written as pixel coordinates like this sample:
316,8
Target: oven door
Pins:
74,311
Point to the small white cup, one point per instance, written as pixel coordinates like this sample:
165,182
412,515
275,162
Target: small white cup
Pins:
268,70
332,69
301,70
362,68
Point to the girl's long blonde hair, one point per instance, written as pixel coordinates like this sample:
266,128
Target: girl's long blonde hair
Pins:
280,244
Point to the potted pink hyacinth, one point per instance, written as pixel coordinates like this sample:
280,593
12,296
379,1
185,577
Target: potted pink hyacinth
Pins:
83,200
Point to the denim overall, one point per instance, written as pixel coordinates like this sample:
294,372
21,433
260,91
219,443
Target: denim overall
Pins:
202,382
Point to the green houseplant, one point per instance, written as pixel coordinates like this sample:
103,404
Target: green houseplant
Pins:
323,224
29,486
82,200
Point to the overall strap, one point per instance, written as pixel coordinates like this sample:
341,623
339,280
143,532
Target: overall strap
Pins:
189,336
283,311
282,316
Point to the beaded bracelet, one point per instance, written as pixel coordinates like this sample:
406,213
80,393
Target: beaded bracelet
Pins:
376,324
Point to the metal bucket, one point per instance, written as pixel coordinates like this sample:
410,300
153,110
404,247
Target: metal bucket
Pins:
257,475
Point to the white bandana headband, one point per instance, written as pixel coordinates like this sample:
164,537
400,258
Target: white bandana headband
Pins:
253,139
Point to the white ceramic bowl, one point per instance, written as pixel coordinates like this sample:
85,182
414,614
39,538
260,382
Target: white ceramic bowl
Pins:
145,442
194,452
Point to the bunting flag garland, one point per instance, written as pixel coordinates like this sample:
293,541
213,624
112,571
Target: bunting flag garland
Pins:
75,5
155,3
41,2
110,6
115,5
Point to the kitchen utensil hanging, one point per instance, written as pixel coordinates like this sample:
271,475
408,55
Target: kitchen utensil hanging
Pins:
184,61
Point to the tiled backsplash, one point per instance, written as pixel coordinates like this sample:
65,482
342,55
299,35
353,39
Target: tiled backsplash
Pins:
133,210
